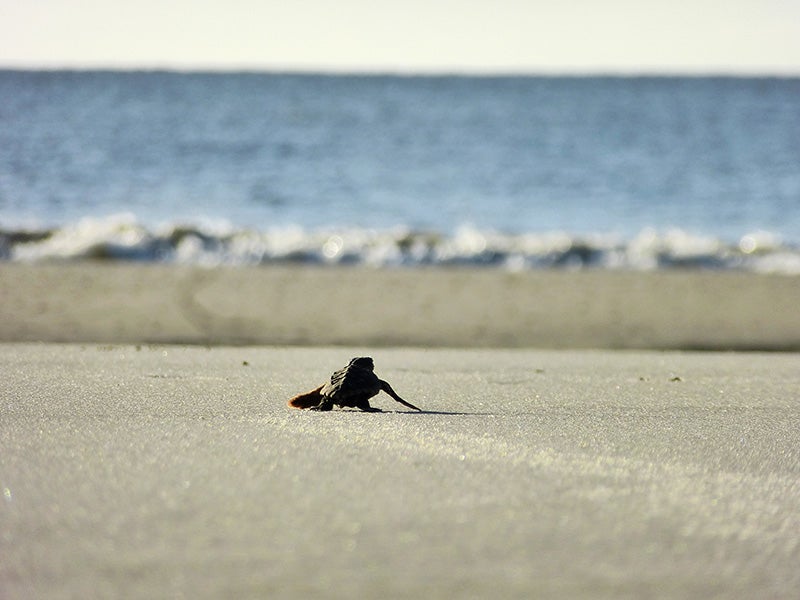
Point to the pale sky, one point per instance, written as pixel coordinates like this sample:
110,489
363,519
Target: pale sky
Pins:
536,36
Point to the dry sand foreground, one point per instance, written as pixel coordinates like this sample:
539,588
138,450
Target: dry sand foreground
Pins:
167,471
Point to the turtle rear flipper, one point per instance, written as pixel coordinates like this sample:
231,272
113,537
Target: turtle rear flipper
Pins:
307,400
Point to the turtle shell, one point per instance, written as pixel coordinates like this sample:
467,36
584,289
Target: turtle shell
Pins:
356,381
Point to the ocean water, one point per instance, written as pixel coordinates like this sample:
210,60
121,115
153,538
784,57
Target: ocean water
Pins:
508,172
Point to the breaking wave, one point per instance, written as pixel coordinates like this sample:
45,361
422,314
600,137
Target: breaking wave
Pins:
124,238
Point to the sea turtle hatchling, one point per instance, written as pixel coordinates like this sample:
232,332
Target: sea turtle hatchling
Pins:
351,387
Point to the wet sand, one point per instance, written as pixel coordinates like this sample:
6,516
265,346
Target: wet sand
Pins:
311,306
171,471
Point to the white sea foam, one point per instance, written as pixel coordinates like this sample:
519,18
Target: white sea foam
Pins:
124,238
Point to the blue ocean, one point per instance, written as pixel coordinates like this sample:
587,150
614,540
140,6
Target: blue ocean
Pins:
519,173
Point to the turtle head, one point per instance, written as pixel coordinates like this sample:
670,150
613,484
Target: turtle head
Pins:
362,362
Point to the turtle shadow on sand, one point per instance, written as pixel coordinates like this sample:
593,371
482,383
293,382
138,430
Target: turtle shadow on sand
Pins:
447,413
422,412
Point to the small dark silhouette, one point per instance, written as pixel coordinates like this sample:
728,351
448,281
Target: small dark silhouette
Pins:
350,387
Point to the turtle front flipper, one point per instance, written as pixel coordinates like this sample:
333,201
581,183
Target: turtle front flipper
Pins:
365,406
388,389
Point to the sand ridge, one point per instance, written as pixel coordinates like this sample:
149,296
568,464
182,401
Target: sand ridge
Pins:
312,306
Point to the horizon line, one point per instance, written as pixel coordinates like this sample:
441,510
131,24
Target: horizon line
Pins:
366,71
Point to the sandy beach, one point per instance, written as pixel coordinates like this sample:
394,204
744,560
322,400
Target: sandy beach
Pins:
146,449
163,471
